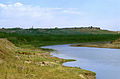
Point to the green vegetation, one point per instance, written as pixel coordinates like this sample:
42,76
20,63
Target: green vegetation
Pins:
41,37
28,61
17,63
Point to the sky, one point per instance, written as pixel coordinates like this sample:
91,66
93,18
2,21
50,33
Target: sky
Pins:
60,13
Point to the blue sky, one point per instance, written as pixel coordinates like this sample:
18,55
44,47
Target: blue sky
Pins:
61,13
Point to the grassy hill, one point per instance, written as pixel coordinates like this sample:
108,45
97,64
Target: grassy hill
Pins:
41,37
58,31
17,63
6,48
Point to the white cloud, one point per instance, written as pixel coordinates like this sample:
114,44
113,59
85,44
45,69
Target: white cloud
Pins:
27,15
73,11
18,4
19,10
2,5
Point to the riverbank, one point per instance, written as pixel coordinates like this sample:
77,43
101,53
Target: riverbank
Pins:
19,63
114,44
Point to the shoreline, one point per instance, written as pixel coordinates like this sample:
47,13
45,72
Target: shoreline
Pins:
84,75
102,56
97,45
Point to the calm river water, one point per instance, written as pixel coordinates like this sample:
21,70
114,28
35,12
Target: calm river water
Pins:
103,61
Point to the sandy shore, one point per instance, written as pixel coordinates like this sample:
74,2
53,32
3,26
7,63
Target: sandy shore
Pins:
98,45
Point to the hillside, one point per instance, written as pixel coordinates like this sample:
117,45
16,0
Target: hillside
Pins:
6,48
17,63
59,31
42,37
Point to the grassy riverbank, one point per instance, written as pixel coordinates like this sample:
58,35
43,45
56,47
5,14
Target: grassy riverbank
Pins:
113,44
17,63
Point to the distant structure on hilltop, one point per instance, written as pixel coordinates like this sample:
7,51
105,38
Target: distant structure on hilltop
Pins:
91,27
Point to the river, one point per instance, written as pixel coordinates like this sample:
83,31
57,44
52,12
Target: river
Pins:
104,62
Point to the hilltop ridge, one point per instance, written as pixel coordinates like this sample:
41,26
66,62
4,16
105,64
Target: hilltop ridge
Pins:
59,31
